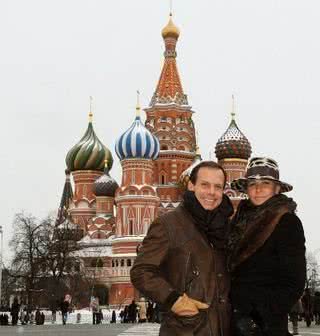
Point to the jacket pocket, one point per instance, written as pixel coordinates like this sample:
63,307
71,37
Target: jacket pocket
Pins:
193,282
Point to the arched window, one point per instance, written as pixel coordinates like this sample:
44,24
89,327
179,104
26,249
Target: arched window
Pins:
130,227
99,263
122,262
129,262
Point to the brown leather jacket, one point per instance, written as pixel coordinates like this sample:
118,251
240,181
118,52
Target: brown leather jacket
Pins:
175,256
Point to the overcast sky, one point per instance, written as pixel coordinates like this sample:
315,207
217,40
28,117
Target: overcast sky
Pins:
55,54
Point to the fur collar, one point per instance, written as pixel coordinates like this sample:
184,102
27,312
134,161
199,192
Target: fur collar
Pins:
252,226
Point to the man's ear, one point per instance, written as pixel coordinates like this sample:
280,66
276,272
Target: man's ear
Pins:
190,186
278,188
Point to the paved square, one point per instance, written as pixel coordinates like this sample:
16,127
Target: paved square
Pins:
118,329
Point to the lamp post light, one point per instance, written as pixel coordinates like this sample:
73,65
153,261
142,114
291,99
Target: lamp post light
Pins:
1,258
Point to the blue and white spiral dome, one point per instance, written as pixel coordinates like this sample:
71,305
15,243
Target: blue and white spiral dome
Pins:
137,142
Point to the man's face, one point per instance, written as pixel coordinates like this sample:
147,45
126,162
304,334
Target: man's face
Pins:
259,191
208,187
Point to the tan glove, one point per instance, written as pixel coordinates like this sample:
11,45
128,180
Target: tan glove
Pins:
186,306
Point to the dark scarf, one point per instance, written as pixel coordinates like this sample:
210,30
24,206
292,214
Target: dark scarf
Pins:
251,217
212,223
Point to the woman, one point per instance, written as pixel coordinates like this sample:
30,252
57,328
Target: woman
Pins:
266,253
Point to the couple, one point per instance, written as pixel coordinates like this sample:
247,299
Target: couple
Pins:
221,277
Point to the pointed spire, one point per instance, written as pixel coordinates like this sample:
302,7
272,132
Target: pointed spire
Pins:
233,143
138,108
233,114
169,88
90,111
198,154
66,199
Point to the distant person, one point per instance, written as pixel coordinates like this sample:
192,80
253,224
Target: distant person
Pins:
26,315
95,310
43,318
307,306
142,310
121,315
15,307
113,317
38,317
132,312
125,315
316,307
54,307
294,314
64,307
150,312
32,317
266,252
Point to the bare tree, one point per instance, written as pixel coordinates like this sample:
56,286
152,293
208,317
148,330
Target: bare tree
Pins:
45,259
60,263
312,271
25,245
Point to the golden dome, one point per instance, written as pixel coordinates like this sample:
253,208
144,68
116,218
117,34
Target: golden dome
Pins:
170,30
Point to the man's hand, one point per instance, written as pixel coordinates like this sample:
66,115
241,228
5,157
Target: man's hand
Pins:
186,306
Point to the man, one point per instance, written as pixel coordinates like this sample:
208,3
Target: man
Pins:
132,312
64,306
181,263
266,253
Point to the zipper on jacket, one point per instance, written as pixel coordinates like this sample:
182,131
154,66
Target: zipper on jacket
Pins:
186,284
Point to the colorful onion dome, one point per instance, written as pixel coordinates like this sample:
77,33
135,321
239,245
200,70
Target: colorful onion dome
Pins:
185,175
137,142
89,153
105,185
170,30
233,143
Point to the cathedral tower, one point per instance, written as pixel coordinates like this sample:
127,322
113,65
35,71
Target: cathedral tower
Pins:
136,200
85,161
233,150
169,117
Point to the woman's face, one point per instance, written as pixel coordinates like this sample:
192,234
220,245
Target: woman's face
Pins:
259,191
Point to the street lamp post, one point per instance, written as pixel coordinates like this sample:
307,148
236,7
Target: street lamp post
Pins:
1,258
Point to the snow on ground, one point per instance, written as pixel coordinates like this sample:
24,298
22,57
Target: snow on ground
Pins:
85,316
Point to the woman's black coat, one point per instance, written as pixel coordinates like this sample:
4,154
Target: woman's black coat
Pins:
271,280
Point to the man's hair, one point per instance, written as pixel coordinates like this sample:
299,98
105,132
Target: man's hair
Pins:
206,164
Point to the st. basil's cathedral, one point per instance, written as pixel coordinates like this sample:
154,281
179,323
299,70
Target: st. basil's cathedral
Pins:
156,159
